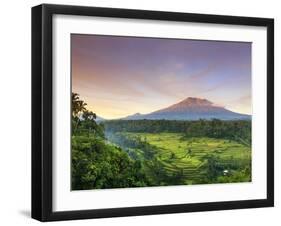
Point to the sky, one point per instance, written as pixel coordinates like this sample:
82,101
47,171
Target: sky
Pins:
119,76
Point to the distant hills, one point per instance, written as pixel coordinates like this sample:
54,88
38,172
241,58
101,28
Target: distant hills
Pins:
99,119
191,108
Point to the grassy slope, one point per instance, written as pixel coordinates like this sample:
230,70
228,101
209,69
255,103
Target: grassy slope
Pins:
188,154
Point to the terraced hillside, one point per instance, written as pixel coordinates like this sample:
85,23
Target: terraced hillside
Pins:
195,158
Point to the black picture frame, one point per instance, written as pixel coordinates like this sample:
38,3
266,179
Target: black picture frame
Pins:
42,111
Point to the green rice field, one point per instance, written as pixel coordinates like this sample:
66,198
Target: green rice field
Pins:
190,155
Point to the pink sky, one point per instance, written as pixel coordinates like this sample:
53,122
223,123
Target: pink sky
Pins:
119,76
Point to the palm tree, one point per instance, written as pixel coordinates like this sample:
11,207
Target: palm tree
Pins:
78,106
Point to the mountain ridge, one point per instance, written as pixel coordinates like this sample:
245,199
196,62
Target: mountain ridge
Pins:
191,108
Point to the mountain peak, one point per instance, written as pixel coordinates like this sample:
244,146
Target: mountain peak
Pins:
191,108
134,116
196,101
191,104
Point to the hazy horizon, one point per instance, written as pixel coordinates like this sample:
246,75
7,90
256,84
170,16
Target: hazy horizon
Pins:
120,76
163,108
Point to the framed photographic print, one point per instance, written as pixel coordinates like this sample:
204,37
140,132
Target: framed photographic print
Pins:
145,112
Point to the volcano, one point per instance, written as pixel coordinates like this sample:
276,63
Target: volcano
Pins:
191,108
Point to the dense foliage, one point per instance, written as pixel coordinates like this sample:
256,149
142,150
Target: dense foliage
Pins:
239,130
95,163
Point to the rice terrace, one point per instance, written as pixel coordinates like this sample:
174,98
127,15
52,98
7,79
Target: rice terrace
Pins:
189,157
